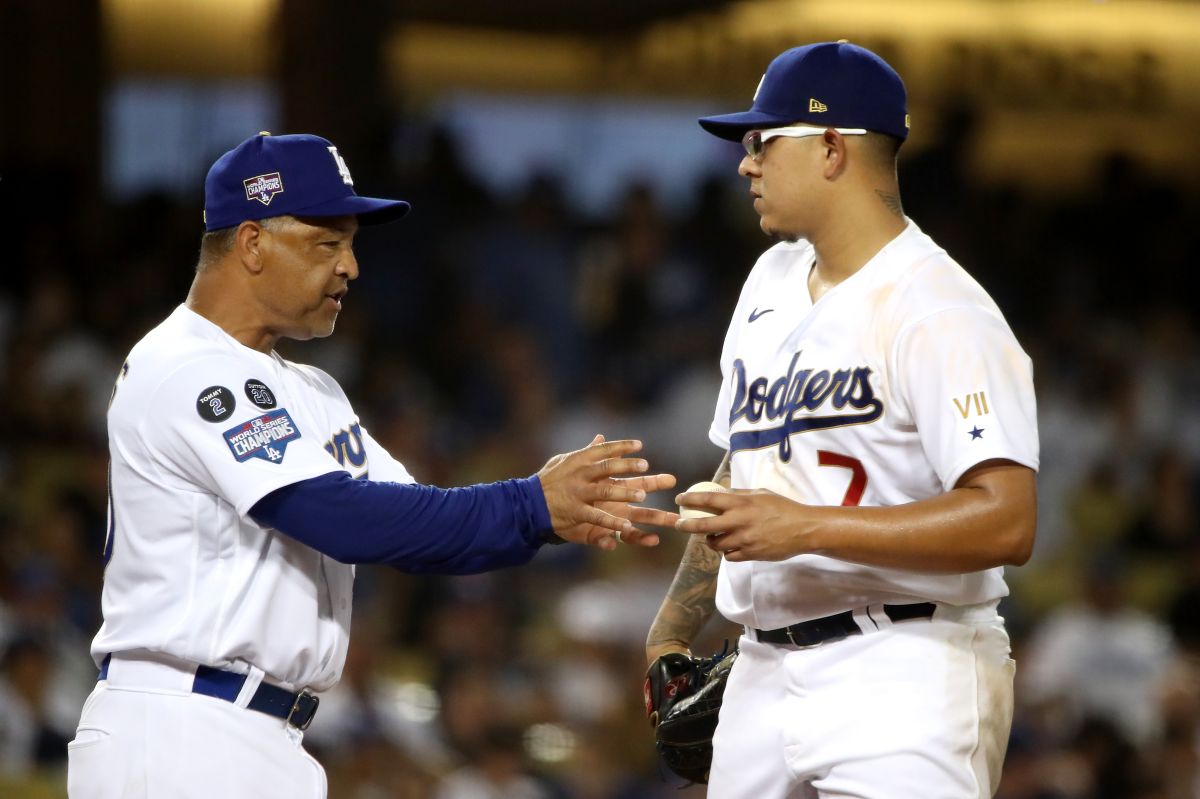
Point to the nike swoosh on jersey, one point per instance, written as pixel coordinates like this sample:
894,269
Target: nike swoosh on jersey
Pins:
757,313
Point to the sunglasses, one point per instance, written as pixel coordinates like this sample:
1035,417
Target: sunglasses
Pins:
755,141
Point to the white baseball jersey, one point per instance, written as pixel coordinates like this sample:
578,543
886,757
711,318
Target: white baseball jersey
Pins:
200,428
883,392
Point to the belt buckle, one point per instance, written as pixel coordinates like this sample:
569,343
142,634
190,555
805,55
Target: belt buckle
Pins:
796,643
811,644
304,709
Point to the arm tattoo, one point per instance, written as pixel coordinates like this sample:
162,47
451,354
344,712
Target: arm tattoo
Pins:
892,201
691,599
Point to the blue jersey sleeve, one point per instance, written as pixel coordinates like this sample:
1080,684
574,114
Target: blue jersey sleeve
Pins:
416,528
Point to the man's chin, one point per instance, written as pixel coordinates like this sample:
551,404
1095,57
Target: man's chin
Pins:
316,331
780,235
775,234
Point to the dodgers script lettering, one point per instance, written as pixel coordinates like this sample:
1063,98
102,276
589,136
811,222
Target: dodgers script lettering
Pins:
796,398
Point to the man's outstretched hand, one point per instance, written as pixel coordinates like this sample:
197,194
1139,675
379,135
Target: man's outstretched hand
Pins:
590,493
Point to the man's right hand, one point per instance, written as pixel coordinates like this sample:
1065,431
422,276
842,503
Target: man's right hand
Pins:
590,501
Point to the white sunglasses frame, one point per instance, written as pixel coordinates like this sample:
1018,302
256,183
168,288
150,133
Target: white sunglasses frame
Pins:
791,132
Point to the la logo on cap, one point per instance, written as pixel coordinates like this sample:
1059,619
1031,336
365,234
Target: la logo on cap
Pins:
343,170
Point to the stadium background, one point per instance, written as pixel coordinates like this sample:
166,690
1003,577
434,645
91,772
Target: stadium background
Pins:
575,248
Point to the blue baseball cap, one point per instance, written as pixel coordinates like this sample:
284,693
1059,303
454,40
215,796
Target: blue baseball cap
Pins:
297,174
836,84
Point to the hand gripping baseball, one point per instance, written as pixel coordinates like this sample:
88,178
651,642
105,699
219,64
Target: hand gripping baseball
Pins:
590,501
744,524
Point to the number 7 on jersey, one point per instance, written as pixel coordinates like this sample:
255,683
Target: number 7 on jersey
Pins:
858,475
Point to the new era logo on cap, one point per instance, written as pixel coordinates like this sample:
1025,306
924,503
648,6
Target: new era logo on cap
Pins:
836,84
297,174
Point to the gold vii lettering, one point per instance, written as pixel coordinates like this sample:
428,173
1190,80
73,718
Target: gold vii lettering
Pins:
979,398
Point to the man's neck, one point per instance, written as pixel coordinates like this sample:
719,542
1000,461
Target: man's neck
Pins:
209,300
851,241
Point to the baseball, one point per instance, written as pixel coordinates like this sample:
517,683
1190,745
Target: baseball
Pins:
696,513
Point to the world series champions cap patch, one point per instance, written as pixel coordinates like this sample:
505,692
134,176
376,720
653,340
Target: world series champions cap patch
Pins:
263,187
264,437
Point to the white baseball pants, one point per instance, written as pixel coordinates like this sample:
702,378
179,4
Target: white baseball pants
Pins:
916,709
146,736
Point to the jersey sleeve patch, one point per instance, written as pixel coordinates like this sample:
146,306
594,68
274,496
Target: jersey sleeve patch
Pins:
215,404
264,437
258,393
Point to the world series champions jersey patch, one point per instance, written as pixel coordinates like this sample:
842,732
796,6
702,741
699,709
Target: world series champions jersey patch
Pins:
264,437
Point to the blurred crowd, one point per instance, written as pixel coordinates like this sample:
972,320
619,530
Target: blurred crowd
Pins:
487,333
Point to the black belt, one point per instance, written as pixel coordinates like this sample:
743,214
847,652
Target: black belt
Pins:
838,626
297,709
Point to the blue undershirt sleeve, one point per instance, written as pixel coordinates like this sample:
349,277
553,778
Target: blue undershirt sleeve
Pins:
415,528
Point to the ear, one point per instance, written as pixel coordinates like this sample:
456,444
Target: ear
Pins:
249,244
834,151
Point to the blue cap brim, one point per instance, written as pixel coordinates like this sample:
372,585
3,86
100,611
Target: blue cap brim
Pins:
734,126
369,210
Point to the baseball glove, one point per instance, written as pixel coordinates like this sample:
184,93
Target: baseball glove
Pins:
683,698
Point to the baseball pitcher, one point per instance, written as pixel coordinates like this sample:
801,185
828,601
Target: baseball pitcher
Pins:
878,420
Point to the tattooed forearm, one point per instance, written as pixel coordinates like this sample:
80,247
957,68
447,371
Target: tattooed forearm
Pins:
891,200
690,601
